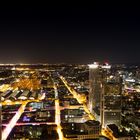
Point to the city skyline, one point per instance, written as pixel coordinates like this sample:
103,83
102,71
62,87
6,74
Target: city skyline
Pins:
69,35
70,101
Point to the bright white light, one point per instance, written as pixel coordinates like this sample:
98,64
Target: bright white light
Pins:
2,98
22,98
129,80
95,65
42,97
31,98
111,76
106,66
8,101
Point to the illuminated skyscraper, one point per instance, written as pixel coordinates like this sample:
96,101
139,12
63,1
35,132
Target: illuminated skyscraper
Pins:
112,101
104,95
95,83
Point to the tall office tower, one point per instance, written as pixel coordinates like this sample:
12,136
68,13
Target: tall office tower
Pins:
104,94
105,71
112,101
95,83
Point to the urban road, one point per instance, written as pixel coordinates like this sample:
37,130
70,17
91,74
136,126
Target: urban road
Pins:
57,108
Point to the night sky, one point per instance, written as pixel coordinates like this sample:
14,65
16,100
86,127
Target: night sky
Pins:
70,34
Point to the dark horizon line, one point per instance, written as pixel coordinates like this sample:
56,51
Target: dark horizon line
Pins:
65,63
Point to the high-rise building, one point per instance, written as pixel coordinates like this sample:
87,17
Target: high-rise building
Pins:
104,99
112,101
95,83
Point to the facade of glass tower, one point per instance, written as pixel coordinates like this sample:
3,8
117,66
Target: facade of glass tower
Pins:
95,83
104,95
112,101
